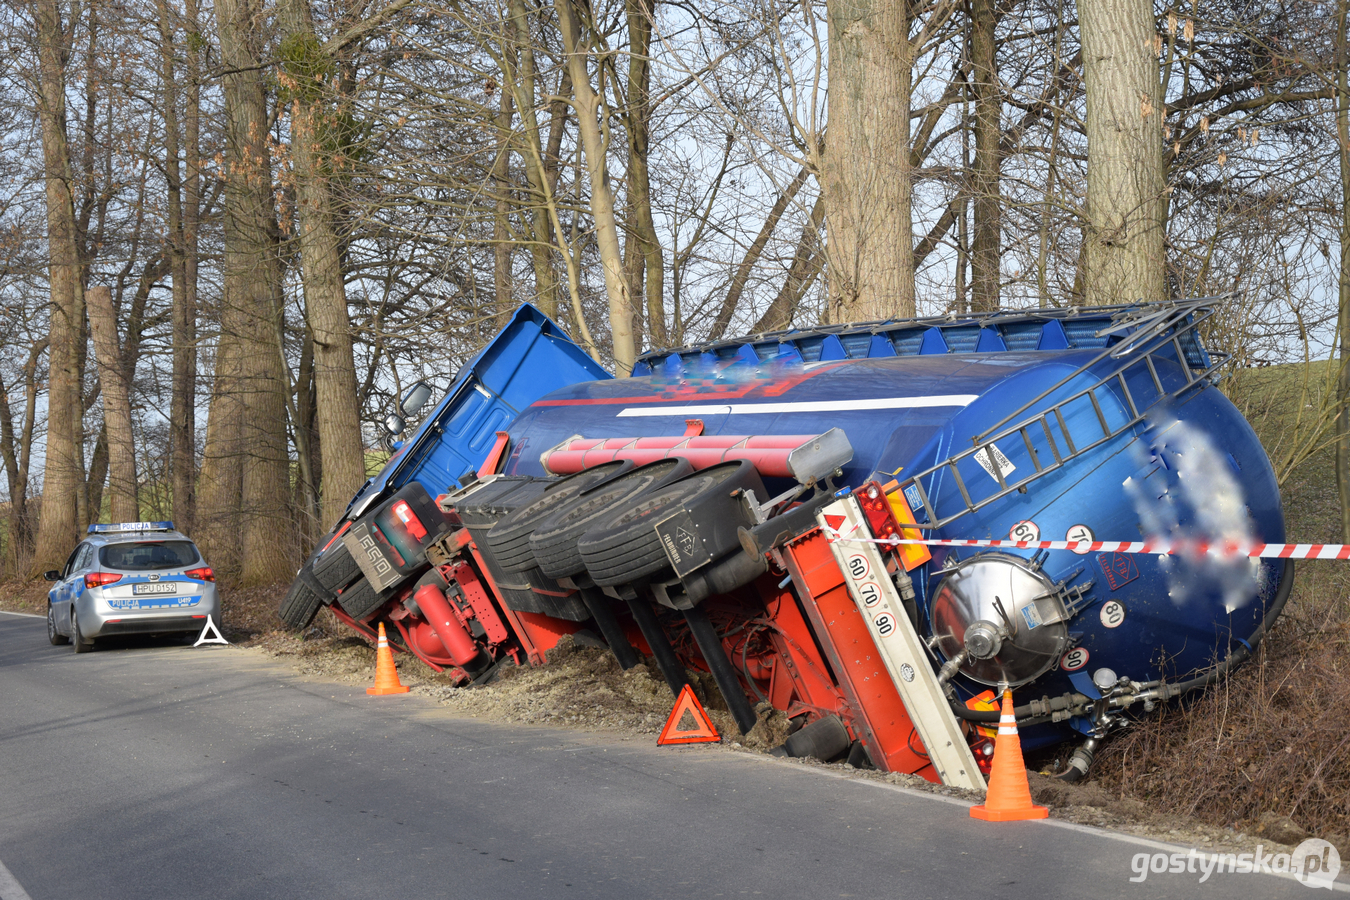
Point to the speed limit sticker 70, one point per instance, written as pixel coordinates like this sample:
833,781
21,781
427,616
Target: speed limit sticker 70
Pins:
870,593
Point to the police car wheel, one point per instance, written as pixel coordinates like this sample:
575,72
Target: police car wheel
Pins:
53,635
81,645
300,605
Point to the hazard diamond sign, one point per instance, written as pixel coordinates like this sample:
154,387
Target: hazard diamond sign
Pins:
702,732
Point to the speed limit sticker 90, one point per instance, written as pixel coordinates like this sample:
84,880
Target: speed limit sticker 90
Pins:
1074,660
885,623
1025,530
858,566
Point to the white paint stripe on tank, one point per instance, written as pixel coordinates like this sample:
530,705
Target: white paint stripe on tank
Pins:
751,409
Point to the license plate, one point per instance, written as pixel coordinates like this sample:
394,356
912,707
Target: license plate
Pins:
162,587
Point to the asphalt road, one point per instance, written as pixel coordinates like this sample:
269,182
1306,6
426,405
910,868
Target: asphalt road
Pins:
155,770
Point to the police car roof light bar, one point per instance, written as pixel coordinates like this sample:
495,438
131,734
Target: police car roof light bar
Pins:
114,527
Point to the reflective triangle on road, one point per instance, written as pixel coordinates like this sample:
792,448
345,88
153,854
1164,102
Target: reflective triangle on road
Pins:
703,731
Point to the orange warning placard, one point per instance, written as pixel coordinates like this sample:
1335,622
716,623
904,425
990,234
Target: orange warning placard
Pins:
703,731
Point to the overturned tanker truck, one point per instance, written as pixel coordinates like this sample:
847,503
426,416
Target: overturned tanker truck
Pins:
734,508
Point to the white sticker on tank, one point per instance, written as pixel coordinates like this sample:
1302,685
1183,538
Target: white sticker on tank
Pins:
1025,530
1005,465
1032,615
1080,533
1074,660
858,566
1112,614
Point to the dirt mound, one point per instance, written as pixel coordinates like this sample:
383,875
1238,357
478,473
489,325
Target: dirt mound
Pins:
583,687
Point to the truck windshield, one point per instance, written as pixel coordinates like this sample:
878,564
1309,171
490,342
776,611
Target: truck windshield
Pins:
148,555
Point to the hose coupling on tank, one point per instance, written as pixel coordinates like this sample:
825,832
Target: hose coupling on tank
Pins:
1080,761
983,639
951,667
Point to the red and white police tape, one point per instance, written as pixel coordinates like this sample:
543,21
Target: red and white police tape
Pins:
1219,549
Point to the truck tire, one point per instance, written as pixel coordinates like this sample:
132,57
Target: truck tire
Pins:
336,568
554,542
509,539
300,605
626,547
360,599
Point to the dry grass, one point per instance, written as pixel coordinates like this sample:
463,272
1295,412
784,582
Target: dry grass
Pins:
1268,744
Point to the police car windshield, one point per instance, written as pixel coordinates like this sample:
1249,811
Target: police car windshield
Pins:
144,556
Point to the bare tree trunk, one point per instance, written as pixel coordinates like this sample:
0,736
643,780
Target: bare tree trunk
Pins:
123,500
501,225
63,475
252,273
867,182
986,241
638,120
807,262
753,254
522,81
182,464
312,130
1125,233
594,139
17,453
221,484
1343,283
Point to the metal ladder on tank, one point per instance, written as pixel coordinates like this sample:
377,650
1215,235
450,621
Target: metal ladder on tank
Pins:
1151,332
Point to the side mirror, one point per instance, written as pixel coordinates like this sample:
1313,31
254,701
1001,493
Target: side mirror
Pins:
394,424
52,575
415,398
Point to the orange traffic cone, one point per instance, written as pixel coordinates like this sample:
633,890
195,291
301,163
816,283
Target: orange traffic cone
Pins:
386,676
1009,796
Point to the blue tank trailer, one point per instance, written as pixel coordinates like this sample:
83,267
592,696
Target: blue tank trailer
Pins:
685,514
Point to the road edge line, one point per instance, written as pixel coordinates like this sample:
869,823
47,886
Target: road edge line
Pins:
10,889
1111,834
5,612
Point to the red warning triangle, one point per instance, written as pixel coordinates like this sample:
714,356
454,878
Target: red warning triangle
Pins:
835,522
703,731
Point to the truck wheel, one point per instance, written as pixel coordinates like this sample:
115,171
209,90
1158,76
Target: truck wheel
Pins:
300,605
554,542
360,599
509,539
626,547
336,569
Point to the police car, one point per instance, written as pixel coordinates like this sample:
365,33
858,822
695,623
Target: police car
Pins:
130,578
